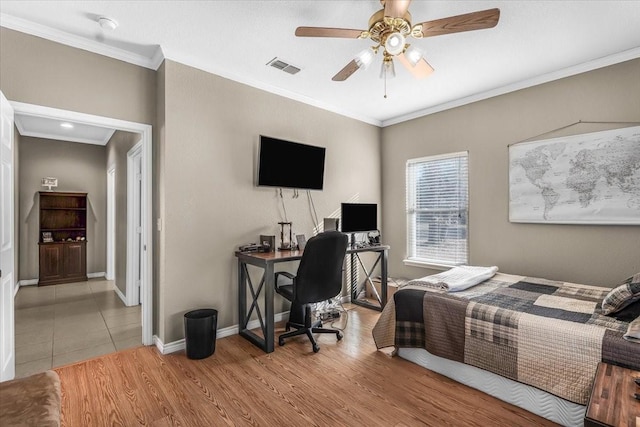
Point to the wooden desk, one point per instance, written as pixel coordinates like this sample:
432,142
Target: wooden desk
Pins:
267,261
612,403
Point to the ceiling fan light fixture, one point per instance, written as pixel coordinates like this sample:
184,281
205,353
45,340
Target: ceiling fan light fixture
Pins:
387,71
394,44
413,55
364,58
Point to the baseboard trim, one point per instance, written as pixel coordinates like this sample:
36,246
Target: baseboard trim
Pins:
120,294
180,344
30,282
98,274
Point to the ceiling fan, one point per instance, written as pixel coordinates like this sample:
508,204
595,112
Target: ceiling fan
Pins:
389,29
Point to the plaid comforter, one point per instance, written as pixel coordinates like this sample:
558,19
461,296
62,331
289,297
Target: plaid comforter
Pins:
547,334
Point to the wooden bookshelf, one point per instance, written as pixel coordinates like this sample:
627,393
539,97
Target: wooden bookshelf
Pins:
63,233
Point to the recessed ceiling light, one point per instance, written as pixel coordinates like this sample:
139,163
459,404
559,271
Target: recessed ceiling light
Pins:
66,125
107,23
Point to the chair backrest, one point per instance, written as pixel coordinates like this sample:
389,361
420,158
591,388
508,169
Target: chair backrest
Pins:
319,275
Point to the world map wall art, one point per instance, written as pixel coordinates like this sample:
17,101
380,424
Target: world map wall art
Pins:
591,178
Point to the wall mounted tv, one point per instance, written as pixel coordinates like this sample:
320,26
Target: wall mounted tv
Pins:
288,164
359,217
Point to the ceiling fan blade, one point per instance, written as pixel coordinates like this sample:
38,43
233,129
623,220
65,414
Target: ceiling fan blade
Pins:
328,32
346,72
396,8
421,70
459,23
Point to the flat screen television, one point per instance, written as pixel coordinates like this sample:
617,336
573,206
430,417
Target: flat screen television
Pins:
288,164
359,217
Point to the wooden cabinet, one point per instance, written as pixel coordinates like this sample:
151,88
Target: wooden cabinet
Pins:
63,231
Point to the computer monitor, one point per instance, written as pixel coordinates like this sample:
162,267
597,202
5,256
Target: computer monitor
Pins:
359,217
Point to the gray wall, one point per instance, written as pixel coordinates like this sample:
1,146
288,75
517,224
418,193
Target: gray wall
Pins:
594,254
37,71
78,167
209,146
205,140
205,146
117,148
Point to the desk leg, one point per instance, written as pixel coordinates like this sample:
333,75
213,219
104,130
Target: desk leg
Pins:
382,259
242,296
383,279
269,331
266,341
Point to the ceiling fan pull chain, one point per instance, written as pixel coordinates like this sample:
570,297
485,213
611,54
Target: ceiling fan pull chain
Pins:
385,85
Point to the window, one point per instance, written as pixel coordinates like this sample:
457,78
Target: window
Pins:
438,210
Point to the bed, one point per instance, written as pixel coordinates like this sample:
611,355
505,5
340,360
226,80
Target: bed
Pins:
532,342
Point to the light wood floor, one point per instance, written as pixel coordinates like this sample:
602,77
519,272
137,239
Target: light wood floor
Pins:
348,383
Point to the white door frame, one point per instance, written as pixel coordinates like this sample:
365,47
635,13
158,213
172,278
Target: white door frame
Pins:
147,231
8,280
135,210
111,223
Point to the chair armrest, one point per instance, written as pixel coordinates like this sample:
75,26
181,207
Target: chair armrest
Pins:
287,289
285,274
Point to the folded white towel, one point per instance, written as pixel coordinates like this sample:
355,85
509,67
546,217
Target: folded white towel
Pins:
457,278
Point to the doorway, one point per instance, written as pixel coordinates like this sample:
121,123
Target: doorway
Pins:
145,131
135,244
111,224
7,247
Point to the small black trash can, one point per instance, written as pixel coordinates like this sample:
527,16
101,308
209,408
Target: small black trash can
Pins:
200,332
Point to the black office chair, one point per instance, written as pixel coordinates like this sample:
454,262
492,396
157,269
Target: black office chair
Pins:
319,278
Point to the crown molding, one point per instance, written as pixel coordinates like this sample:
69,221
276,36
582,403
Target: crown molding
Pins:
159,56
605,61
38,30
154,63
195,63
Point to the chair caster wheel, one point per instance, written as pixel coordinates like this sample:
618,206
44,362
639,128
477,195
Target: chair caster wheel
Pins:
316,348
339,335
280,342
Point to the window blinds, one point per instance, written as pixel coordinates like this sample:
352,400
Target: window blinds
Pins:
437,209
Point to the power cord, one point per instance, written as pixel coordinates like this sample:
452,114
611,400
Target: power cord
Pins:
314,217
333,310
284,209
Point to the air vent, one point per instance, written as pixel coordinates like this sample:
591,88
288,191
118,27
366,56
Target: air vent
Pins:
284,66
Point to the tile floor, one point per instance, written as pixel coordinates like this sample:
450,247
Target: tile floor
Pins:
60,324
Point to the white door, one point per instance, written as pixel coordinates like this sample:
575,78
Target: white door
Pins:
7,279
111,224
134,224
137,209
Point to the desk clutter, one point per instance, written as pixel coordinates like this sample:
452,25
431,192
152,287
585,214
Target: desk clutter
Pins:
254,247
267,243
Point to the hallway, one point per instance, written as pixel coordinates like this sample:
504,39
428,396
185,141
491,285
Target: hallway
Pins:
61,324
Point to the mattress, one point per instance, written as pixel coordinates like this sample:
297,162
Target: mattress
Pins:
524,396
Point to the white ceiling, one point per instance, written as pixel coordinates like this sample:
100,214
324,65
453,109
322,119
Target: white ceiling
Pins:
534,42
50,128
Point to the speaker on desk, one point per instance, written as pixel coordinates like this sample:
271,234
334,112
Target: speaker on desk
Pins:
331,224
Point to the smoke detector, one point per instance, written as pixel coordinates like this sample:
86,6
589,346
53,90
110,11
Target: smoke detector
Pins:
107,23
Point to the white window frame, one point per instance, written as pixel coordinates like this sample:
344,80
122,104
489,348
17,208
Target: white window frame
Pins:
413,258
